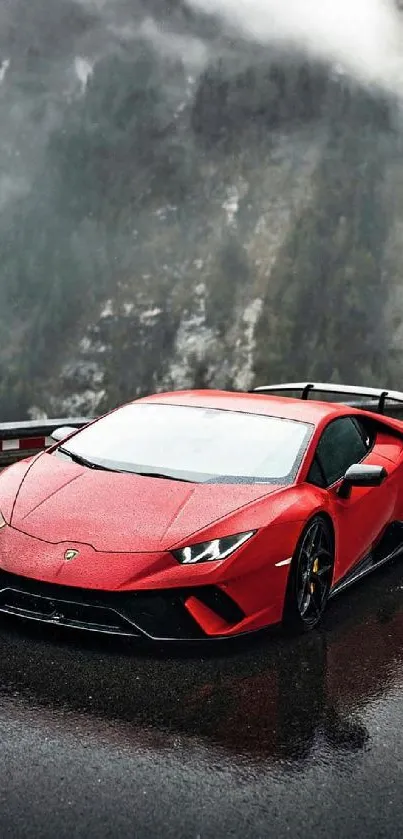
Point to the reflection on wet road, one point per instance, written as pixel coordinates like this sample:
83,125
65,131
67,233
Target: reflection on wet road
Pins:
274,737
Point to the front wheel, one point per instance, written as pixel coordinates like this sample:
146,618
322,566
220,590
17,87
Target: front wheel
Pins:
311,575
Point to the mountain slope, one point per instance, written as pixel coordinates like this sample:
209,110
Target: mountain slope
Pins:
186,209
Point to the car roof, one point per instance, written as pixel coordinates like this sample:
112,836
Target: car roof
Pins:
309,410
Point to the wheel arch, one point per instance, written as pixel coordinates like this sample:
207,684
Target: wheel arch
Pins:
327,517
323,514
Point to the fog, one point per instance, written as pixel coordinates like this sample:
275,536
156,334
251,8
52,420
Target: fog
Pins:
364,36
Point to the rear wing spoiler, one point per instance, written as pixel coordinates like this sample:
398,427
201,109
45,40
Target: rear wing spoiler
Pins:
367,398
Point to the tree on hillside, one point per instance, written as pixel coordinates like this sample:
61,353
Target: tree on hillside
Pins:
323,312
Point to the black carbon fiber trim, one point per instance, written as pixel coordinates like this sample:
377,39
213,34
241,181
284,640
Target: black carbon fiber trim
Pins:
159,615
221,603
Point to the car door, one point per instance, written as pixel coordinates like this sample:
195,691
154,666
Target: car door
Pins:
360,519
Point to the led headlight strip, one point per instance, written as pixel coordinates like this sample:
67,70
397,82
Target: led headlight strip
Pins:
212,551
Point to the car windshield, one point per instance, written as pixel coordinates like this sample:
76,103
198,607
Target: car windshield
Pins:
194,444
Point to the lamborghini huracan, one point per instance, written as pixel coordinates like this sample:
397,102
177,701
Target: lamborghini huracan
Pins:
204,514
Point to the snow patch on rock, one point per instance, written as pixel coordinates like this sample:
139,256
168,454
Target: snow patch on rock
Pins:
84,70
193,339
108,309
4,66
242,372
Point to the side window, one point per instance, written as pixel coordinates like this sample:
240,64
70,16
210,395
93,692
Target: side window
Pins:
367,431
316,475
342,444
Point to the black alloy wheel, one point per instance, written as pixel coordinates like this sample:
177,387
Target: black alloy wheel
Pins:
310,575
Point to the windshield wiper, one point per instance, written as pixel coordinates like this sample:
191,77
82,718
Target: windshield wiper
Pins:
76,458
82,461
162,475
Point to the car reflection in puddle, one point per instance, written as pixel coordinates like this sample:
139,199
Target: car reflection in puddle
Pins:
271,698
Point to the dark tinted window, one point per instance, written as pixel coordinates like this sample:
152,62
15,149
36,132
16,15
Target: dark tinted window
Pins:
342,444
316,475
367,430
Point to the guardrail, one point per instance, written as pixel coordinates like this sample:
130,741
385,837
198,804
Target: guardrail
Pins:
23,439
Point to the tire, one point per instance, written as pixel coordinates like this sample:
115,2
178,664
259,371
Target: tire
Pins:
310,577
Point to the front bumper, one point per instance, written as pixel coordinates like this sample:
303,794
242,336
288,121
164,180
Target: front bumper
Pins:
156,615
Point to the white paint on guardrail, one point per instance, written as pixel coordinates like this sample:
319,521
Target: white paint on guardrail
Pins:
9,445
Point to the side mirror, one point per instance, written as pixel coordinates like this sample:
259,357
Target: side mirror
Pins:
61,433
361,475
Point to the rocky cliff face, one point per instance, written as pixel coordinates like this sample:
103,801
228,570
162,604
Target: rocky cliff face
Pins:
200,329
183,209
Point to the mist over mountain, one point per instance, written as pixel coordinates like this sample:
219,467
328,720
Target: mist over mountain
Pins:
191,195
362,36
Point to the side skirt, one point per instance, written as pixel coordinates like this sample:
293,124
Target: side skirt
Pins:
389,547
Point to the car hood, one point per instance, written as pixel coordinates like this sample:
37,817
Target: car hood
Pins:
59,501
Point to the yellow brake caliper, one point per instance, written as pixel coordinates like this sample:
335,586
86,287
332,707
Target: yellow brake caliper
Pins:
315,569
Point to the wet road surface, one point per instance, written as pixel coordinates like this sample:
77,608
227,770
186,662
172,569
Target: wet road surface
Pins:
273,737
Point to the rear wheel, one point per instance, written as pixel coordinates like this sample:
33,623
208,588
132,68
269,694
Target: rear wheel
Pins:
310,575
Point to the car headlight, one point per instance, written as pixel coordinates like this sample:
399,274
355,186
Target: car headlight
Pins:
212,551
2,520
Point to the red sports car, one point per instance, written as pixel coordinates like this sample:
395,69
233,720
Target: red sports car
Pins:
204,514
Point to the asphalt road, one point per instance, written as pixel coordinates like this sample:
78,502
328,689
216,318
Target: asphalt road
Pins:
275,737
